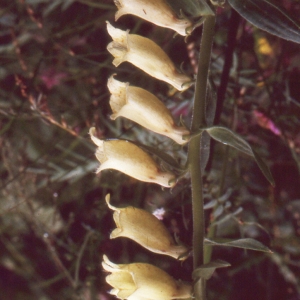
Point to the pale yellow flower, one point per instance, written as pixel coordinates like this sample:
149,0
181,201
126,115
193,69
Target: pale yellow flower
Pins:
157,12
144,108
140,281
128,158
146,55
145,229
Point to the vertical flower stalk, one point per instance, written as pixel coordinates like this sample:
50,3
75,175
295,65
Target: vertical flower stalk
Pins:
194,155
143,281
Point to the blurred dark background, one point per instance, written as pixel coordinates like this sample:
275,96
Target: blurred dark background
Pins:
54,223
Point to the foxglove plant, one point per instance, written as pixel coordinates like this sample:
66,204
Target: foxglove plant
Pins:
144,281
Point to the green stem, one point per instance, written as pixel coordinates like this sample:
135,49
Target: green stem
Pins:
194,160
212,228
197,200
202,76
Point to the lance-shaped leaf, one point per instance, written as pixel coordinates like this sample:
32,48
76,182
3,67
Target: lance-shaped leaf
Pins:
228,216
206,271
210,204
247,243
228,137
268,17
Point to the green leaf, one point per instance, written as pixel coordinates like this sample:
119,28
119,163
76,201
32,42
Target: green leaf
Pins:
228,216
228,137
247,243
268,17
210,204
264,168
206,271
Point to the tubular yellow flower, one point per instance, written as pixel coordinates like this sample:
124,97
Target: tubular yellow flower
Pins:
144,108
145,229
146,55
157,12
131,160
140,281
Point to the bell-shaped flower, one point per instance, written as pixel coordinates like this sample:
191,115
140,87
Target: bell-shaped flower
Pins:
157,12
146,55
144,108
128,158
145,229
141,281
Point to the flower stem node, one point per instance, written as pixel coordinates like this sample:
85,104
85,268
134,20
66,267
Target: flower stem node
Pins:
157,12
141,281
129,159
144,108
147,56
145,229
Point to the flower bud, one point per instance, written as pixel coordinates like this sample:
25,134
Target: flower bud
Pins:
157,12
145,229
128,158
144,108
146,55
140,281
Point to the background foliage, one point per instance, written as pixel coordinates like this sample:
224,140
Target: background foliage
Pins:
54,225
